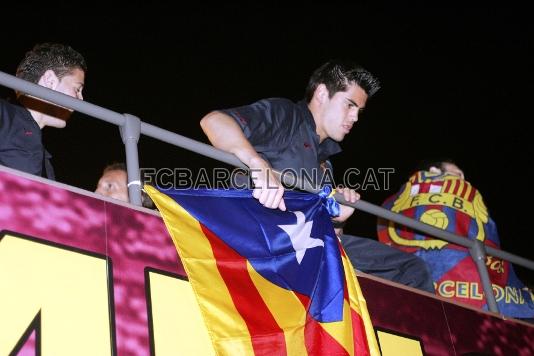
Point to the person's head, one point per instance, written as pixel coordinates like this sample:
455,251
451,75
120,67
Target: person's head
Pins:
443,166
57,67
114,182
337,92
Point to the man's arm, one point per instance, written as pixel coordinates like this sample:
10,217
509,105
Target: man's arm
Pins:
224,133
351,196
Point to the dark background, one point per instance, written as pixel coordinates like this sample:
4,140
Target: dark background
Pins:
457,82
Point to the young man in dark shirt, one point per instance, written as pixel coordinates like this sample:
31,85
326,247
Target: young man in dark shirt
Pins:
279,134
54,66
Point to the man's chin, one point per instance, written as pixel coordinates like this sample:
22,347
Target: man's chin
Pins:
338,138
55,122
54,115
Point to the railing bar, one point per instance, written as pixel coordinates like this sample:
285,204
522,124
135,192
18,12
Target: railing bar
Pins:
209,151
189,144
61,99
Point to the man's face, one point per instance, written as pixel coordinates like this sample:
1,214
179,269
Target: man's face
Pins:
52,114
114,184
340,112
72,84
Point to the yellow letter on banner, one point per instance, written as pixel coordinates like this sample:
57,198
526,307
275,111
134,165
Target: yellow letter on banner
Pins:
396,345
177,323
69,288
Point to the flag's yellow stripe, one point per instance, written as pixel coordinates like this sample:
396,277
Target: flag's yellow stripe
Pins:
460,188
221,317
286,309
358,303
340,332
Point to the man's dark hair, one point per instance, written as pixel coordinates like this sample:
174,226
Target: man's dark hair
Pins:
120,166
62,59
117,166
425,165
337,75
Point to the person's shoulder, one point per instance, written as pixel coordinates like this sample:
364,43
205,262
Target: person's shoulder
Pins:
4,103
273,108
263,105
278,102
6,116
7,110
10,107
284,111
12,114
281,101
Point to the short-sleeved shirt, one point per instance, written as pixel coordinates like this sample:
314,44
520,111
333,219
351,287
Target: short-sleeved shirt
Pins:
284,133
21,145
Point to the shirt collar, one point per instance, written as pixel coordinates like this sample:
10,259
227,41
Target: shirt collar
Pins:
328,147
303,105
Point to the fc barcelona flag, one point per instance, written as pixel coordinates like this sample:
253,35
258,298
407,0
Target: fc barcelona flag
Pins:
453,204
267,282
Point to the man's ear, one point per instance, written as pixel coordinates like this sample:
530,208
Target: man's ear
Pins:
49,80
321,93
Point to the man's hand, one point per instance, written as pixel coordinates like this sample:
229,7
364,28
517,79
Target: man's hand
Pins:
351,196
267,188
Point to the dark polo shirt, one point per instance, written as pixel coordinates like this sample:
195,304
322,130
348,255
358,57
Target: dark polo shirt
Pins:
284,133
21,145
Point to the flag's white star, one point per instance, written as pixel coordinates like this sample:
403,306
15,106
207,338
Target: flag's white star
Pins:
300,235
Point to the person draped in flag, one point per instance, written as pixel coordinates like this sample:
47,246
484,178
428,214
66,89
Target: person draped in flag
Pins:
279,134
438,194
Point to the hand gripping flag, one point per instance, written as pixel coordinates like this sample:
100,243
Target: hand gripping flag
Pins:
453,204
267,282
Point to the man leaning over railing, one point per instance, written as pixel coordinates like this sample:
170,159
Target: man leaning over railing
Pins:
54,66
279,134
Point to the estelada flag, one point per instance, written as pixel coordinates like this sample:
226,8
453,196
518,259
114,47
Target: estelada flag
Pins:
453,204
267,282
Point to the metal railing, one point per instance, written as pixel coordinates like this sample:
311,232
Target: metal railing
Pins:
131,127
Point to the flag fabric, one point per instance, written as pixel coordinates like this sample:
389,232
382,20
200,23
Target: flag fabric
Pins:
453,204
267,282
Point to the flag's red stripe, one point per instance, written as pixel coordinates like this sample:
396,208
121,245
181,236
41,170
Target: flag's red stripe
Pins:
304,299
464,190
447,186
361,346
359,336
424,188
456,186
266,336
345,288
319,342
472,195
462,223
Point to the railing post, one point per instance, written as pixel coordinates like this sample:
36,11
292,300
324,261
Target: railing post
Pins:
478,254
130,132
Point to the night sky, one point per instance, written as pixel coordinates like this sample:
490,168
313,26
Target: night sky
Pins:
455,83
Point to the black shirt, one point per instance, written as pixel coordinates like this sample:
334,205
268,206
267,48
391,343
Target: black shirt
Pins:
21,145
284,133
